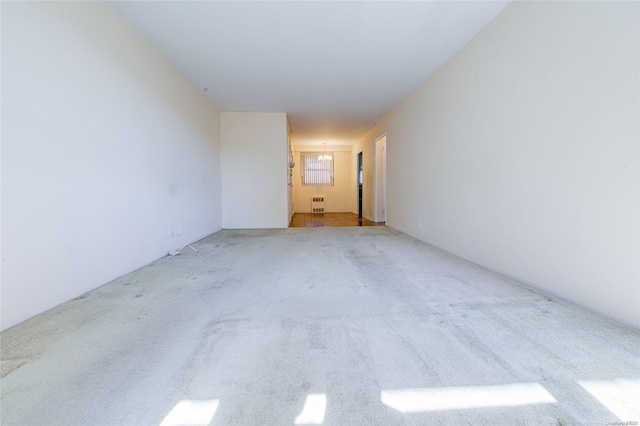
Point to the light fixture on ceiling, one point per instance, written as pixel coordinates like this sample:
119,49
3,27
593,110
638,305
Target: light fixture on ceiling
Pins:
325,156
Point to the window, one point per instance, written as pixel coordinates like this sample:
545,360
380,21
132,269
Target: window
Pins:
317,168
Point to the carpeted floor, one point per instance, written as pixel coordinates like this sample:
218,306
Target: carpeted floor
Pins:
332,326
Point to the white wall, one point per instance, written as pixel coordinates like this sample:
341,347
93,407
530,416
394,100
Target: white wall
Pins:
104,147
254,170
521,153
337,196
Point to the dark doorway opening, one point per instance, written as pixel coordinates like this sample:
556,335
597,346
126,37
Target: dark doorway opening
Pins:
359,180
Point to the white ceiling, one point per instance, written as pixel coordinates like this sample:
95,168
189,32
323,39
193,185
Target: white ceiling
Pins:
335,67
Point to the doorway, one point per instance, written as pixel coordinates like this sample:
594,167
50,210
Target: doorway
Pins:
359,180
381,180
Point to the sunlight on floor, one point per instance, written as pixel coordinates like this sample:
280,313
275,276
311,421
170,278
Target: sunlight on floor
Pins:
189,412
465,397
620,396
314,409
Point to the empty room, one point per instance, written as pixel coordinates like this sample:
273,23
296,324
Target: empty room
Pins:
320,213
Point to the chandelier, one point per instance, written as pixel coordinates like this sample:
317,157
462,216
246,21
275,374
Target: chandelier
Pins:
325,157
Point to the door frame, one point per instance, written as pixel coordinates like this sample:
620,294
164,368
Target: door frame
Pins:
359,184
380,180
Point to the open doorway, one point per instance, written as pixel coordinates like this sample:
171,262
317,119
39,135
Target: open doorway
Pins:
359,180
381,180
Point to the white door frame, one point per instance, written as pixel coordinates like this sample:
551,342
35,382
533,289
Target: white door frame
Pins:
380,181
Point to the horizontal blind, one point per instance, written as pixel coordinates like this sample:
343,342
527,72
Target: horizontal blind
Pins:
317,168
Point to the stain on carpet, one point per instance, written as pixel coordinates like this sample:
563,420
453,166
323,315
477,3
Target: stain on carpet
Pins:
8,366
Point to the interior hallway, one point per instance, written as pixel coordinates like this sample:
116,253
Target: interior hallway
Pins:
348,326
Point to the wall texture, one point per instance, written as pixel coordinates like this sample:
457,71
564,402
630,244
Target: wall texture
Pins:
521,153
337,196
105,147
255,159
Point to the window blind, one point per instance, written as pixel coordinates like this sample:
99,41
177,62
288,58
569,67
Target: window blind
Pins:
317,168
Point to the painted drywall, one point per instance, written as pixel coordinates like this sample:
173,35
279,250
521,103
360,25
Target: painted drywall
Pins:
105,147
255,164
521,153
337,197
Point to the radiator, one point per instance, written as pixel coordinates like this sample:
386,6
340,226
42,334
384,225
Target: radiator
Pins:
317,204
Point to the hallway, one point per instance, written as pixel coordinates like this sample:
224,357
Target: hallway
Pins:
352,326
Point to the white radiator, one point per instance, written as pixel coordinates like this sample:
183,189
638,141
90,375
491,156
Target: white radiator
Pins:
317,204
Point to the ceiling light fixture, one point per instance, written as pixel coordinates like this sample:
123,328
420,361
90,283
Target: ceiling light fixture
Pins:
325,156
